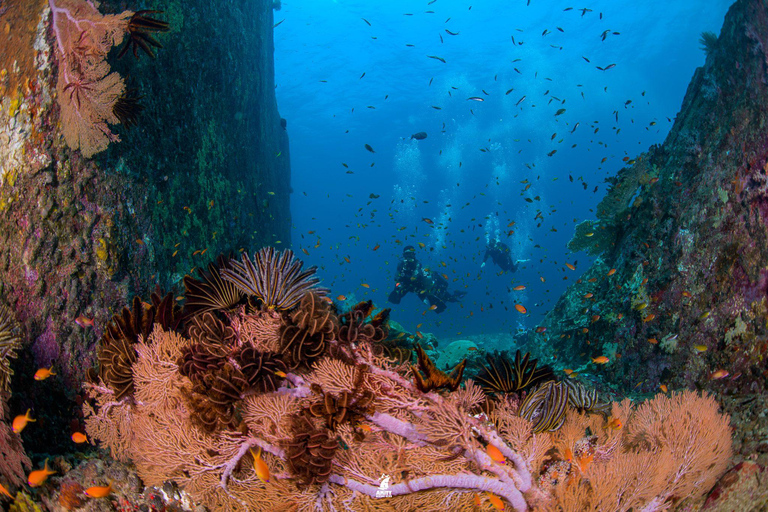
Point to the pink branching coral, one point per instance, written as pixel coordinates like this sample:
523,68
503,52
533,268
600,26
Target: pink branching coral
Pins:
333,431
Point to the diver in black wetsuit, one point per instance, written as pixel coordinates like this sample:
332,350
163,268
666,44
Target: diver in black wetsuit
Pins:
431,287
501,256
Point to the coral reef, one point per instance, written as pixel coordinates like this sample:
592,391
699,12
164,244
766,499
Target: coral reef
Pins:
13,460
97,230
331,432
678,293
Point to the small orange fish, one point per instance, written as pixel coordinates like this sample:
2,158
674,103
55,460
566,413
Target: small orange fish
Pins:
687,294
612,271
365,285
377,247
614,424
346,258
281,374
542,279
305,251
649,318
140,241
663,388
432,307
520,308
471,348
600,360
568,371
365,427
719,374
570,266
477,501
495,501
20,421
588,296
83,321
620,316
541,329
653,341
44,373
341,297
428,221
99,491
518,288
262,471
584,330
495,454
3,490
79,437
595,318
38,477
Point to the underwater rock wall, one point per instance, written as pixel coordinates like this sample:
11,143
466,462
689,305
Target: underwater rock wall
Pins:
677,296
205,171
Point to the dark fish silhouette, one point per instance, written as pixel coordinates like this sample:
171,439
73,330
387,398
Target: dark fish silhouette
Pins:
369,148
419,136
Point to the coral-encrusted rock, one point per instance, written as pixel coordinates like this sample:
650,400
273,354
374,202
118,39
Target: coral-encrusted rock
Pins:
680,292
743,488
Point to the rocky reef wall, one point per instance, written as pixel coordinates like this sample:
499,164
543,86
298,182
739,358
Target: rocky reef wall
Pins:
677,296
204,171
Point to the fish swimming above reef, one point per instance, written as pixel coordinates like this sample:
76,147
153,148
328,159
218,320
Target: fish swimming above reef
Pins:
419,135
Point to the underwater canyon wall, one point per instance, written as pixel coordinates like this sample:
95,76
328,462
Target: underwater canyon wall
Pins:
205,170
678,291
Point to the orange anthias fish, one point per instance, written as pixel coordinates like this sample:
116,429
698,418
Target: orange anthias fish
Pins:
520,308
495,454
600,360
44,373
614,424
570,266
79,437
262,471
719,374
496,501
83,321
20,421
99,491
38,477
432,307
3,490
518,288
612,271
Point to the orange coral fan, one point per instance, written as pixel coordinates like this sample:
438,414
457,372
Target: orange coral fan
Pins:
435,379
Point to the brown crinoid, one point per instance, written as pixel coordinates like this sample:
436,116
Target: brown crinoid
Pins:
10,342
222,376
310,451
116,353
434,378
347,407
503,376
209,330
167,313
211,292
260,369
313,325
355,329
139,28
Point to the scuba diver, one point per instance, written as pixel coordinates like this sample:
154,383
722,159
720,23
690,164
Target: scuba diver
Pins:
430,286
501,256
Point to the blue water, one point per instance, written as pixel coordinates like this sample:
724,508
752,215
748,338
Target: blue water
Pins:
322,50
